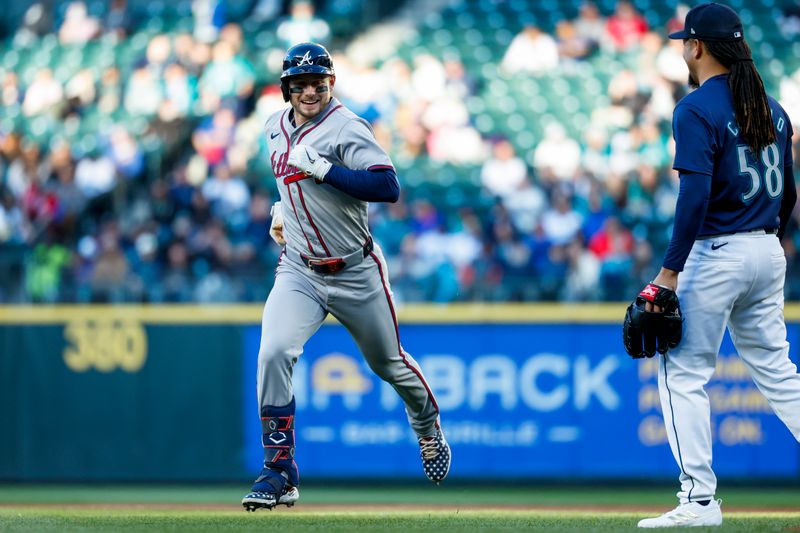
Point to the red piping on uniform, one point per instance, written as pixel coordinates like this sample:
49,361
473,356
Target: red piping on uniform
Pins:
311,221
284,130
317,124
300,191
280,258
397,334
294,209
288,146
381,167
297,176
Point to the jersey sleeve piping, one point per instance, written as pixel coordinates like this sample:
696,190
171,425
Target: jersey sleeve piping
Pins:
380,167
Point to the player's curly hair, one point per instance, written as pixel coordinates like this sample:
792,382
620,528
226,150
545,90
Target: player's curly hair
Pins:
749,96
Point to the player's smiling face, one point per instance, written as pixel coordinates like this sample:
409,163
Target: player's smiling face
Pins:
309,94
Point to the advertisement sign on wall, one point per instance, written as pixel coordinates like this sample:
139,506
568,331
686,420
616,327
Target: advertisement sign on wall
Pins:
517,400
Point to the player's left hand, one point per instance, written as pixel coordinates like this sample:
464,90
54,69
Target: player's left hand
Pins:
665,278
646,332
306,159
276,227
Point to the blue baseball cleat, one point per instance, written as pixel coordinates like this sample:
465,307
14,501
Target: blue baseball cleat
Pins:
265,491
435,454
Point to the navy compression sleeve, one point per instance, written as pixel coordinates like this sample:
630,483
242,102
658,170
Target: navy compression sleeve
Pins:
690,212
788,200
379,185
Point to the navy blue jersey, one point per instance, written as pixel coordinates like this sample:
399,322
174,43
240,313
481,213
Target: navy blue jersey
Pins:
746,187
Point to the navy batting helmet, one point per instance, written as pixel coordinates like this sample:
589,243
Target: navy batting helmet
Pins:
305,58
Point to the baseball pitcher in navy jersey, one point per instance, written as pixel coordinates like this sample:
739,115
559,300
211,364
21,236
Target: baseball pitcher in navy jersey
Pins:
328,166
733,151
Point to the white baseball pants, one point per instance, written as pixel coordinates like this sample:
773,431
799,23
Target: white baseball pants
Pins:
735,281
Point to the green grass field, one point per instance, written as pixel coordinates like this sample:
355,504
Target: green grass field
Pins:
375,508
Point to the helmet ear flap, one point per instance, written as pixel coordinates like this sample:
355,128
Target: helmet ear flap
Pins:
285,90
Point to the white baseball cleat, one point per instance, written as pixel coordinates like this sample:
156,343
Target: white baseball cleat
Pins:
289,497
690,514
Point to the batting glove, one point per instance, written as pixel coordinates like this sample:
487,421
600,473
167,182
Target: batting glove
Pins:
305,158
276,228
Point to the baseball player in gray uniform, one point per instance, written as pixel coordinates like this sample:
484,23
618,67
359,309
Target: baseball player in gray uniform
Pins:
328,165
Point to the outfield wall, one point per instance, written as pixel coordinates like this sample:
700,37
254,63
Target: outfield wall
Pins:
127,393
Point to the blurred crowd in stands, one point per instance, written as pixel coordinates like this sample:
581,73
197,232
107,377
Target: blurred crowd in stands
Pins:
164,194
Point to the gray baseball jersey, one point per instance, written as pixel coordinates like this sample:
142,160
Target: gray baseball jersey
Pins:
322,222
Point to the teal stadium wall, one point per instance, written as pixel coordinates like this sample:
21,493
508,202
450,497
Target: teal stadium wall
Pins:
127,393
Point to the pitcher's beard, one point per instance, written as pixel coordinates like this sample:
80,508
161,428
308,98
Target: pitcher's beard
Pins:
693,82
